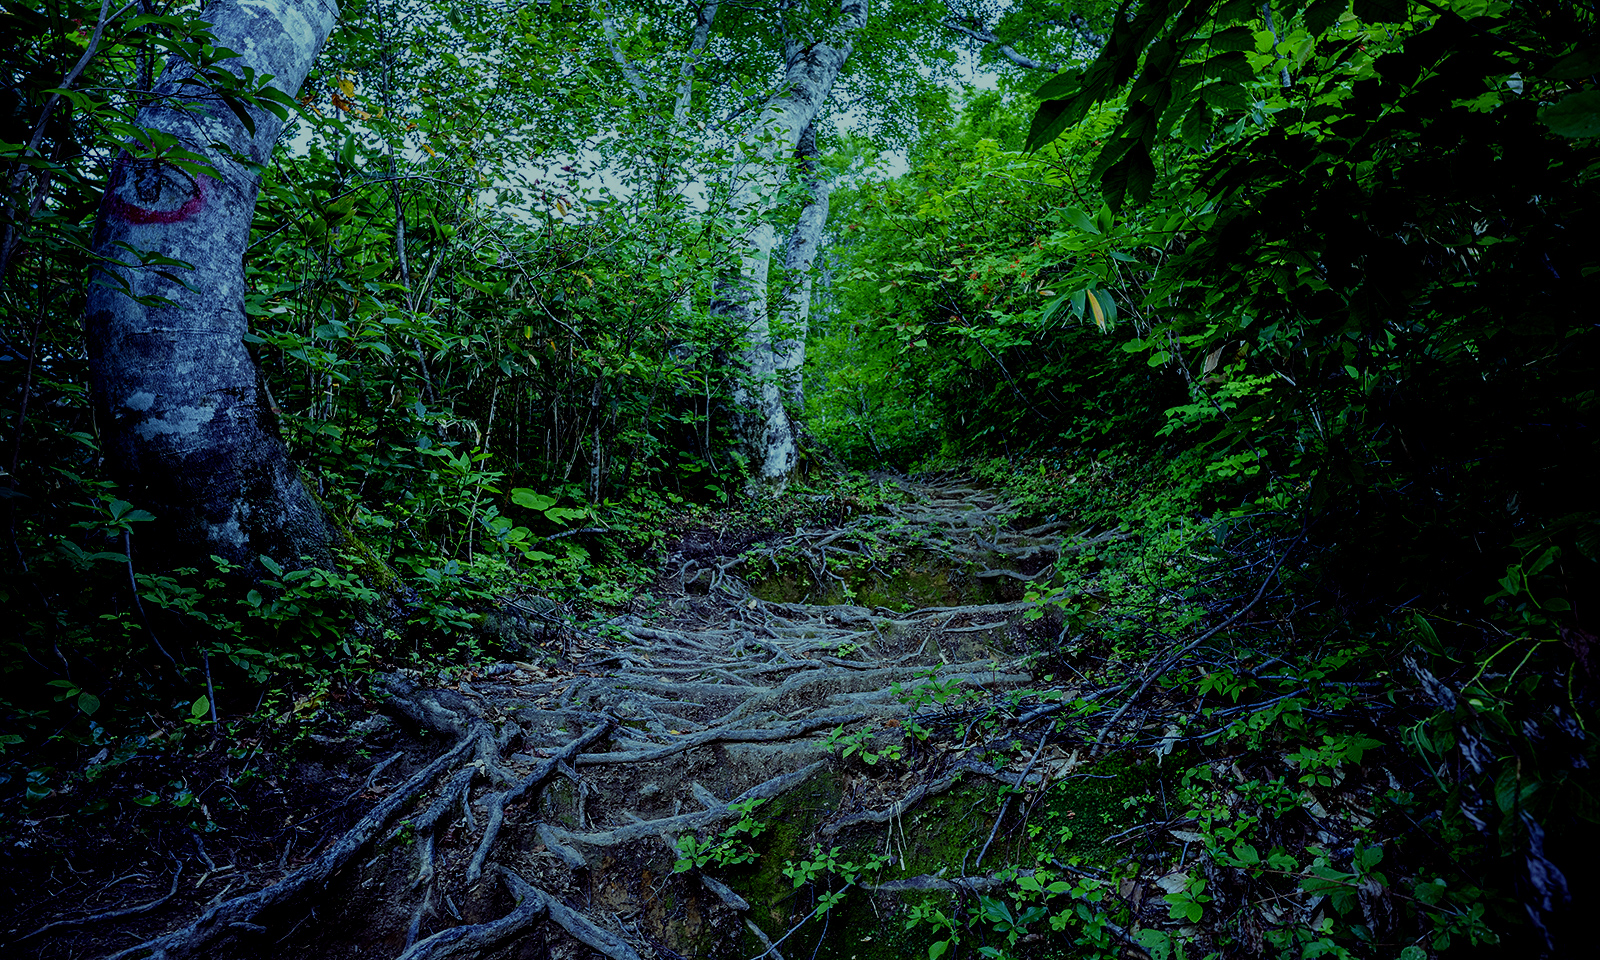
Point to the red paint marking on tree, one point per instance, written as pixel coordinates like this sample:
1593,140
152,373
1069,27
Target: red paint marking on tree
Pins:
154,177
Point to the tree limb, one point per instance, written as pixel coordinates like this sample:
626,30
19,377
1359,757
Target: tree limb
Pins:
986,37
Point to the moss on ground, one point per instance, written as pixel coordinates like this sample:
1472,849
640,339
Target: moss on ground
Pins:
921,580
943,835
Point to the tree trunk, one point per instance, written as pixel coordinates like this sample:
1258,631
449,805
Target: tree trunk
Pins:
186,424
760,423
800,254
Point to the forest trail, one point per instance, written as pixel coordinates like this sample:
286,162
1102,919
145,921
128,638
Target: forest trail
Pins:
558,812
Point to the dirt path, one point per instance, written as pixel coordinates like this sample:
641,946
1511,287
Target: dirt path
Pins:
765,706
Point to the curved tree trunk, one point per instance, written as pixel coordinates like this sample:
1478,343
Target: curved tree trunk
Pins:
800,255
186,424
760,424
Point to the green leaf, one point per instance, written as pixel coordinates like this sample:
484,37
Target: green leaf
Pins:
1576,115
1381,11
272,566
1233,65
523,497
200,707
1061,86
1129,178
1550,555
1233,38
1227,96
1576,65
88,703
1426,635
1050,121
1196,129
1081,220
1505,789
1324,14
937,950
1239,10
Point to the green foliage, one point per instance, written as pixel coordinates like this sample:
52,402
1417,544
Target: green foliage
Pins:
974,294
1315,292
726,849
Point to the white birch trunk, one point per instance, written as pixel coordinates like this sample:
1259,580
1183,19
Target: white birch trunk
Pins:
761,425
800,255
185,422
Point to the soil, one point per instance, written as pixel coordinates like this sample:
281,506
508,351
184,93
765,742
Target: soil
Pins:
639,795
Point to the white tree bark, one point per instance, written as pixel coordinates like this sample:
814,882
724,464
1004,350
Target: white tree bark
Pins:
800,255
185,422
812,63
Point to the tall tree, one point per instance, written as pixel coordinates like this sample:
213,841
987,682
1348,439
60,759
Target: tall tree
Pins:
186,423
813,57
799,256
767,73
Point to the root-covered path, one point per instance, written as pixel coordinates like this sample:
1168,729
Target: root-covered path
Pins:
591,808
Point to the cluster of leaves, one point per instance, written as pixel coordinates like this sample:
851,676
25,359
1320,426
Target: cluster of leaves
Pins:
1350,310
497,381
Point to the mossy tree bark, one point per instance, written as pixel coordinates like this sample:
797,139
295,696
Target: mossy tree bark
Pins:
186,424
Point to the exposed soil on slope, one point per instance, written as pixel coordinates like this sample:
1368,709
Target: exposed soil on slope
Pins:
814,681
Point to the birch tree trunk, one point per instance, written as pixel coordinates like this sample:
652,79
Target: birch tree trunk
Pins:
186,424
812,63
800,255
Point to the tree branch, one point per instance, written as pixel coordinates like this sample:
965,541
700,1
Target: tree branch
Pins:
628,69
987,38
691,59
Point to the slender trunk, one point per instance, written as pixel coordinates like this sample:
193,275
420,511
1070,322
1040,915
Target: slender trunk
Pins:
800,255
760,424
1284,79
187,425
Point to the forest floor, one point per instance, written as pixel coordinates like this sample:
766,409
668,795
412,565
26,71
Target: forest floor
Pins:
798,738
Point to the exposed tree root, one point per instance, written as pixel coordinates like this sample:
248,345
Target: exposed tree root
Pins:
725,686
231,917
123,913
